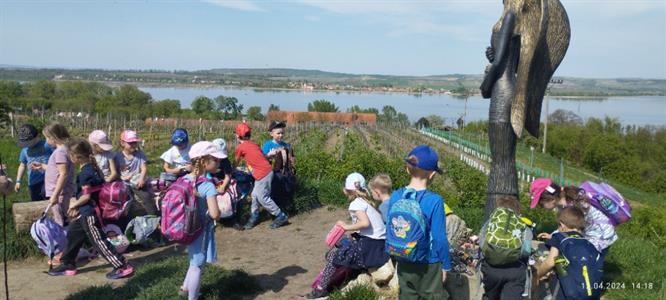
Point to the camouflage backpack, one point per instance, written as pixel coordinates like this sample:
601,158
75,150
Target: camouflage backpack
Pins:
504,237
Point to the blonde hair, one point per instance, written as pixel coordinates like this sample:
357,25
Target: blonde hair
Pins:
83,150
362,193
199,168
56,132
381,182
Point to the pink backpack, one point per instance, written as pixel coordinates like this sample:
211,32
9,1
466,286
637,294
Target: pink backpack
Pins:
180,221
226,201
113,200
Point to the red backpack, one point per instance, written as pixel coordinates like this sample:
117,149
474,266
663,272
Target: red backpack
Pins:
180,221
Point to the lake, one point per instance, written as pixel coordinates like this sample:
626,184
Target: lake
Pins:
638,110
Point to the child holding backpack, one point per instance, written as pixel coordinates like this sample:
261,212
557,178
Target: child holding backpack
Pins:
34,153
103,155
176,159
600,230
366,249
205,158
59,176
131,162
262,171
505,245
416,233
85,224
577,263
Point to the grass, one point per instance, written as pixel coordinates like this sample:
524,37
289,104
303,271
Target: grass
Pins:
161,280
359,292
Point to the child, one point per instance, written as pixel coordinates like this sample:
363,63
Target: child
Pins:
59,176
422,275
132,165
381,188
176,159
504,263
34,154
103,155
576,261
85,225
599,229
366,250
222,177
263,175
276,147
205,158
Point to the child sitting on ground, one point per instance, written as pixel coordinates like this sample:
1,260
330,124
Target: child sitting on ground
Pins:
577,263
103,155
176,159
366,248
85,224
262,171
381,187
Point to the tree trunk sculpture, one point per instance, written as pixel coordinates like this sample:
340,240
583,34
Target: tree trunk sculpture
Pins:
527,45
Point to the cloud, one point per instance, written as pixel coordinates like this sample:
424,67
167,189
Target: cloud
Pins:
244,5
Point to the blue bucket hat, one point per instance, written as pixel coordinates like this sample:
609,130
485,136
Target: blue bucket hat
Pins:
179,137
424,158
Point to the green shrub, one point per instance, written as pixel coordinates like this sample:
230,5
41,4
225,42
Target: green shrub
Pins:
359,292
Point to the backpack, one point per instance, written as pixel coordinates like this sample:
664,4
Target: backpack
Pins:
244,183
226,201
114,199
584,270
181,221
407,235
503,238
605,198
140,229
50,237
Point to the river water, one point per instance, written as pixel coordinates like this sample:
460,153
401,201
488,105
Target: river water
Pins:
635,110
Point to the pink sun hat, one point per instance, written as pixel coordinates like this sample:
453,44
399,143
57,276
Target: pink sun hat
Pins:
537,187
100,139
206,148
129,136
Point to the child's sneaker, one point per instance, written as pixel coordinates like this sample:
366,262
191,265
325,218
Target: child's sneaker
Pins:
252,221
63,270
317,294
121,272
280,220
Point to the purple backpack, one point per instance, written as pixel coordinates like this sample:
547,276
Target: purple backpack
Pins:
181,222
51,238
605,198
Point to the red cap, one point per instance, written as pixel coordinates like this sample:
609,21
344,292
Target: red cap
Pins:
243,129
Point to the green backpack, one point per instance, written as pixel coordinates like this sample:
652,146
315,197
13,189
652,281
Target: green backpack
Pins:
504,237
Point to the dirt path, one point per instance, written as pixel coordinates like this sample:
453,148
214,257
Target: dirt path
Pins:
283,261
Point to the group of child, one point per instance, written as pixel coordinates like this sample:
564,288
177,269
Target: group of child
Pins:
407,225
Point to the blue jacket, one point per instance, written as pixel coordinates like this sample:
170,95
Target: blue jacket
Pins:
432,206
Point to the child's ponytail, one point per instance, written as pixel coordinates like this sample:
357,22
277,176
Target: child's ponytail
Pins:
93,161
363,193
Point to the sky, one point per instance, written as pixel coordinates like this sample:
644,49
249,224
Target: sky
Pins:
610,38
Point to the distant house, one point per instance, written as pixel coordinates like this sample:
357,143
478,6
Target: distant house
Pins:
346,119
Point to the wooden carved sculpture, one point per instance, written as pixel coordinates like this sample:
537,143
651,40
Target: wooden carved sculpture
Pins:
527,45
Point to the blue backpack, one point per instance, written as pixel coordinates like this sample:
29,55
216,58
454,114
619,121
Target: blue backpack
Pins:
407,237
584,270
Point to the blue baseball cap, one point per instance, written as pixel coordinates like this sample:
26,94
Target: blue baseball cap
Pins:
179,137
424,158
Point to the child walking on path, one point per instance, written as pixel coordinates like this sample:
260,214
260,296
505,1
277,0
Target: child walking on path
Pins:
103,155
205,158
35,152
263,175
85,224
366,248
416,233
59,175
132,165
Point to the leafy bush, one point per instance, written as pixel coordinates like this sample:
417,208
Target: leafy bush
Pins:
359,292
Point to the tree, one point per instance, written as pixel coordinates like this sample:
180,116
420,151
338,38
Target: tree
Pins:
254,113
358,109
203,105
229,107
322,106
435,121
131,96
273,107
166,108
389,113
562,116
4,114
422,123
